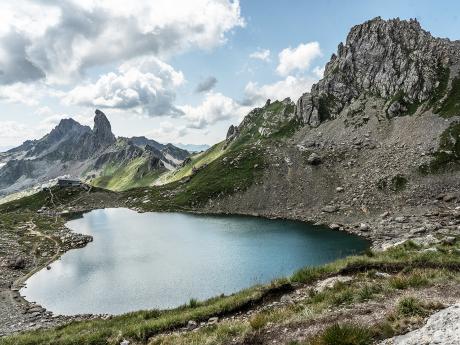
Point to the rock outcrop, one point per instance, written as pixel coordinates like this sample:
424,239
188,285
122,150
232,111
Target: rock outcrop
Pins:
103,130
395,60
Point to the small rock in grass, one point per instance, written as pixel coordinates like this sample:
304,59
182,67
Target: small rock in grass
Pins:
192,325
213,320
286,299
449,240
430,250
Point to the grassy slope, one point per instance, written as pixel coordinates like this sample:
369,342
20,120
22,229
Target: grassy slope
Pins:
197,161
414,265
124,177
222,170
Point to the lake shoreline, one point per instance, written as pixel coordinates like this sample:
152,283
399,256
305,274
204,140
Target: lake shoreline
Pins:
17,304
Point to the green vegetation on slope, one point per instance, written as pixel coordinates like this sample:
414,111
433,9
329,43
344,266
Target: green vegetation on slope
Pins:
196,161
447,158
230,167
121,177
451,105
440,91
233,171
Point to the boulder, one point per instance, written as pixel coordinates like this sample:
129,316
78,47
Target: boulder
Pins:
192,324
364,227
449,197
314,159
213,320
17,263
330,209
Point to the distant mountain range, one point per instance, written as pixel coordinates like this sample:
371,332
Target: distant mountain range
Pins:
72,149
193,147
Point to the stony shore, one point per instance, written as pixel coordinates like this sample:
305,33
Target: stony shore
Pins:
428,226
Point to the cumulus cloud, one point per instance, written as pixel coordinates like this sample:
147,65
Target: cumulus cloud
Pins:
28,94
291,86
261,54
144,85
167,132
206,85
215,108
299,58
13,133
61,39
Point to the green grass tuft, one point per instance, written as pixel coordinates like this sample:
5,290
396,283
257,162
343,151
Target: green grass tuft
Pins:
344,334
410,306
451,105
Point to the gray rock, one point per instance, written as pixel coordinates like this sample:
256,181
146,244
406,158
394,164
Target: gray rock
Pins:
440,328
364,227
213,320
17,263
449,240
330,209
449,197
394,59
400,219
192,324
314,159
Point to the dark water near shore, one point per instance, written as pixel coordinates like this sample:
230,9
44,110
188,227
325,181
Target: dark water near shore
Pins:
162,260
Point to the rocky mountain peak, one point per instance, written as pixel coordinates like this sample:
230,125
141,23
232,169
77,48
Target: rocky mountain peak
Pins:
66,127
102,128
380,58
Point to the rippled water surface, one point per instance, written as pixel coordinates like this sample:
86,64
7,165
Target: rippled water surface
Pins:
162,260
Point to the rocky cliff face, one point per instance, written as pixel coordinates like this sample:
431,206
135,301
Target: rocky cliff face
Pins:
102,130
378,135
394,60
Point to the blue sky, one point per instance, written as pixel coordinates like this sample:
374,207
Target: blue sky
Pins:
144,73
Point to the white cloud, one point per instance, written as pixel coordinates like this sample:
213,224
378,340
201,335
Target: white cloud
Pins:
261,54
61,39
215,108
299,58
168,132
13,133
28,94
145,85
291,86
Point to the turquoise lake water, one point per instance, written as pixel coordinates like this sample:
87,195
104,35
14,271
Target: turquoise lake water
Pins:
162,260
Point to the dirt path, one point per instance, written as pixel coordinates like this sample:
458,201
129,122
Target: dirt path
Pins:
18,283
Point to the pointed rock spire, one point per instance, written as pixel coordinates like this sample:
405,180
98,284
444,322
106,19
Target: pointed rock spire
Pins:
102,129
